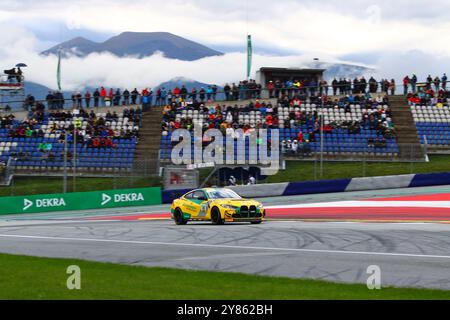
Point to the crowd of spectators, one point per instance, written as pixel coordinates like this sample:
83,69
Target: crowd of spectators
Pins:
84,127
96,131
29,128
7,121
375,116
436,84
244,90
429,97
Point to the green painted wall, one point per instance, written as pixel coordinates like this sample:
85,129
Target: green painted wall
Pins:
80,201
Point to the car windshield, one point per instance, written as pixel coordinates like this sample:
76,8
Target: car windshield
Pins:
223,194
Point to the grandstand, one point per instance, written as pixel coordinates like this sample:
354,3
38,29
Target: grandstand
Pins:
351,128
433,123
354,127
106,142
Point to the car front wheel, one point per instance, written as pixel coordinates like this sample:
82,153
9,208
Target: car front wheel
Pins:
216,218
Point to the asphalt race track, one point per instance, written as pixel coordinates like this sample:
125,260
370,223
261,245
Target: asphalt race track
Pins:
409,254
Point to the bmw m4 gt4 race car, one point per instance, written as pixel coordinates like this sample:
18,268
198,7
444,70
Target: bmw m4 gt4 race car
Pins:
216,205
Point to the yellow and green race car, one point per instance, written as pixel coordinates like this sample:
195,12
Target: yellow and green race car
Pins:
216,205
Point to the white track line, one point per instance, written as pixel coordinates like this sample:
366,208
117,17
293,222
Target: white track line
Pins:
228,247
367,203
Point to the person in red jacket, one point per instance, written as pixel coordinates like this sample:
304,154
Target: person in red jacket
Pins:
103,95
406,82
269,120
87,99
271,88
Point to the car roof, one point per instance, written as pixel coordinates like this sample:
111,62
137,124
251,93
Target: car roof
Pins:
207,190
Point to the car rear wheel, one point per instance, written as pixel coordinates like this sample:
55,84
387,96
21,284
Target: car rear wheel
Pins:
216,218
179,219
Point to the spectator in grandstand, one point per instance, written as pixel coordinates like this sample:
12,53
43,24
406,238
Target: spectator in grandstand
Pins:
100,142
193,94
117,97
59,100
444,82
111,95
392,87
209,93
87,99
413,82
227,91
79,100
429,82
202,95
164,94
45,147
6,122
335,85
103,96
150,96
134,96
170,96
437,83
294,147
406,82
126,97
29,102
215,89
324,87
50,98
96,98
73,98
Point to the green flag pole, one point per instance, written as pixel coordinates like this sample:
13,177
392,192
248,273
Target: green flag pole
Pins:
58,70
249,56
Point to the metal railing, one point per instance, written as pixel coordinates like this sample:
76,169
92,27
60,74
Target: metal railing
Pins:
234,95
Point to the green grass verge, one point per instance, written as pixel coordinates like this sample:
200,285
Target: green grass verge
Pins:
307,171
45,185
298,171
42,278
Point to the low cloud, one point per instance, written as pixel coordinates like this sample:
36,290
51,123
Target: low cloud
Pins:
19,45
105,69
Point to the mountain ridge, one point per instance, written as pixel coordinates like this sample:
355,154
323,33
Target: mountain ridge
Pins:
140,44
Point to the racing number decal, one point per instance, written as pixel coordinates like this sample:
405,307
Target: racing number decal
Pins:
203,209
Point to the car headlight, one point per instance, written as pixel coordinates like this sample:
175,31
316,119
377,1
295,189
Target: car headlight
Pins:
228,206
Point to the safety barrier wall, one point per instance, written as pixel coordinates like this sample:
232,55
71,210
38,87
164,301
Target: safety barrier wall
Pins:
263,190
330,186
155,196
431,179
312,187
80,201
379,183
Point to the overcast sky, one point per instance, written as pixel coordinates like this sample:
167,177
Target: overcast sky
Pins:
388,34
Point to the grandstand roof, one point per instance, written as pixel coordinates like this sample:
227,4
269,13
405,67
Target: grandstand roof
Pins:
291,70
